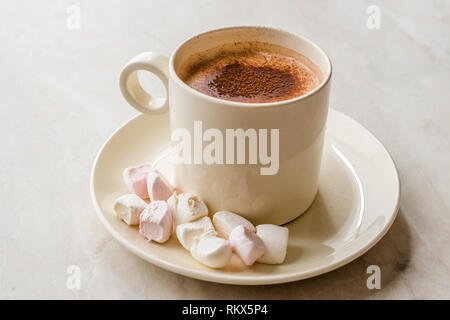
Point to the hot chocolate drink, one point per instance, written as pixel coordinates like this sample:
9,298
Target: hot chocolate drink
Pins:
251,72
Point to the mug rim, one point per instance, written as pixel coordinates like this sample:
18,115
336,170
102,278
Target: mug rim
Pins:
174,75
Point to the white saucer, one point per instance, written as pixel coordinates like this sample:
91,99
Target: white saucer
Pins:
357,202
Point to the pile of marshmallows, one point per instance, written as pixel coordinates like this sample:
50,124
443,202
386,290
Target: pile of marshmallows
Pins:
211,243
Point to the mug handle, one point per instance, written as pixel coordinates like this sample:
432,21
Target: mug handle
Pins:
132,90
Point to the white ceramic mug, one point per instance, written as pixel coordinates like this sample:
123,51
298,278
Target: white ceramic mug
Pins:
241,188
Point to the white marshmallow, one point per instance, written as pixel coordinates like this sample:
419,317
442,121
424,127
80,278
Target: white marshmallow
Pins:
212,251
128,208
275,240
186,232
186,207
226,221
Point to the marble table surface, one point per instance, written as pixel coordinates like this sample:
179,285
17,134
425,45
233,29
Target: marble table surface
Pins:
59,67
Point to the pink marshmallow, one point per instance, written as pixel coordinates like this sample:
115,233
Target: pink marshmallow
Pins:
156,222
136,179
248,246
158,188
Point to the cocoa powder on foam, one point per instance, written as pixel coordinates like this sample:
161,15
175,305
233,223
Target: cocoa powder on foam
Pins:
251,72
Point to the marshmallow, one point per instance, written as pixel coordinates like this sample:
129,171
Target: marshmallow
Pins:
156,222
128,208
158,187
211,251
275,240
186,232
226,221
136,179
186,207
246,244
172,202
